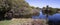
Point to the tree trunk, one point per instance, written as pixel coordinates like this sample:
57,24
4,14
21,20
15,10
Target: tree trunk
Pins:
47,18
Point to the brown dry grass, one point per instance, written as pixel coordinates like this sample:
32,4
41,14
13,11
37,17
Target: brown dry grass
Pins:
23,21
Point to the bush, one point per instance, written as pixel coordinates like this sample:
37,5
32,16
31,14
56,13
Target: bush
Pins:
8,18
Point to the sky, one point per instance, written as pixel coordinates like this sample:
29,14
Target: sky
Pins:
43,3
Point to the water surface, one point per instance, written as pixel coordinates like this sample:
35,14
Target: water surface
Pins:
54,17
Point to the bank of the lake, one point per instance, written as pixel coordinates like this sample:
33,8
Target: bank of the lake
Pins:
23,21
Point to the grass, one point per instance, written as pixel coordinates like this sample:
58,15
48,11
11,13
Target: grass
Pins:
17,21
5,22
14,21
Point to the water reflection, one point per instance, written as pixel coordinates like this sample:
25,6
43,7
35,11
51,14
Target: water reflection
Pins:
54,17
41,16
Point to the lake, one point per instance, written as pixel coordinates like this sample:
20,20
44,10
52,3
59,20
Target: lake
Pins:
54,17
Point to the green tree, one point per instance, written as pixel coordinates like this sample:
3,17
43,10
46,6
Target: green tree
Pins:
5,6
20,7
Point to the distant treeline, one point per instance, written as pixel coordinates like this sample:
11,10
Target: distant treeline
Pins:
50,10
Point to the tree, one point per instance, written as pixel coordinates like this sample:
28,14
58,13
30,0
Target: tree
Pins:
20,7
5,6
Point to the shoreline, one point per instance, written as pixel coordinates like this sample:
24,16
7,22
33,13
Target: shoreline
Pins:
24,21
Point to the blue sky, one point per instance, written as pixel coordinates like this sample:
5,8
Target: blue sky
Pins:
43,3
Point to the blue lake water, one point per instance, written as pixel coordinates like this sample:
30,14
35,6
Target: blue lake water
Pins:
54,17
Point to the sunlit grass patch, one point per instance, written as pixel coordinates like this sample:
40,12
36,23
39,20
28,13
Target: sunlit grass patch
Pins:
22,21
5,22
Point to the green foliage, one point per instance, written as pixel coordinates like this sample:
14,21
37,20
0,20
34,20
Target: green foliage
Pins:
18,7
5,6
51,11
21,7
32,7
